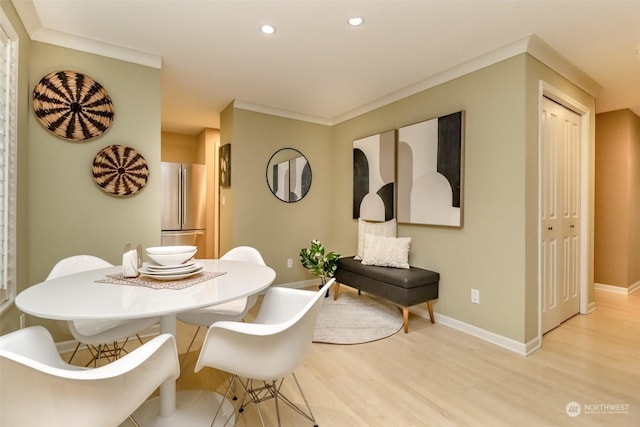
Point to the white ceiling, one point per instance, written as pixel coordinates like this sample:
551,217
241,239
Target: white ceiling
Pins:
317,67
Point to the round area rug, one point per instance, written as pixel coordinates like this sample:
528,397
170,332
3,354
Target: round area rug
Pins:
356,319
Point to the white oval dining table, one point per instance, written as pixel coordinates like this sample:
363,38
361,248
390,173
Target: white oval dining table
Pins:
80,297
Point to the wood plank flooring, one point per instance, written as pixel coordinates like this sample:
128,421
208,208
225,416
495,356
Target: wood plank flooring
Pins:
436,376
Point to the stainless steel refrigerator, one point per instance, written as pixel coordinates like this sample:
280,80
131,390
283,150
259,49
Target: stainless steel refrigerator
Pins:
183,203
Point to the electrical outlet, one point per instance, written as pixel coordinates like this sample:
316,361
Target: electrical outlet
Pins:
475,296
290,263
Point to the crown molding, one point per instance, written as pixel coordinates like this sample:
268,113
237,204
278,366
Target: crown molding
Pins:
258,108
490,58
530,44
37,32
551,58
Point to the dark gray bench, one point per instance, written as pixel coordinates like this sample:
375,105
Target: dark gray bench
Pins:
402,286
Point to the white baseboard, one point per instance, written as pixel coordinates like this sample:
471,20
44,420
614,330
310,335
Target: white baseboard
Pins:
617,289
488,336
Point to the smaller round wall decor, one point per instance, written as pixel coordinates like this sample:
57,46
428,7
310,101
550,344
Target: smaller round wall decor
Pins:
72,105
120,170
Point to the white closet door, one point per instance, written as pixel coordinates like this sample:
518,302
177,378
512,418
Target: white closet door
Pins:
560,214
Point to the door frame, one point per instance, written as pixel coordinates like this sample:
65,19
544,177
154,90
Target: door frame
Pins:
555,94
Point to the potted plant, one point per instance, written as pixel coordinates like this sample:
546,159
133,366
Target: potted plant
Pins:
317,262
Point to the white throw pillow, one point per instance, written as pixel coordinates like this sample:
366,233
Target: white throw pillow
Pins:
386,251
388,229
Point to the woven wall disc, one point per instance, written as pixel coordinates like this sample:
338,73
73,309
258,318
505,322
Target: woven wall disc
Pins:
120,170
72,105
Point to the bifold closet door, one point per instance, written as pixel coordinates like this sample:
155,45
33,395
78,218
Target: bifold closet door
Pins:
560,158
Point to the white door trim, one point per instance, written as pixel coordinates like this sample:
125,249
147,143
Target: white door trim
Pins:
547,90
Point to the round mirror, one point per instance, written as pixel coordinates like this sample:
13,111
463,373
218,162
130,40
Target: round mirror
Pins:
289,175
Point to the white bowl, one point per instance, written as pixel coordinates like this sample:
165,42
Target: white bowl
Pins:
162,250
172,258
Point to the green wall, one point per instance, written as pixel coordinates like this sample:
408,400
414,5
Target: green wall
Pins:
488,252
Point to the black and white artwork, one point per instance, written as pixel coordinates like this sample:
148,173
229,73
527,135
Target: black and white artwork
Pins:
430,168
374,177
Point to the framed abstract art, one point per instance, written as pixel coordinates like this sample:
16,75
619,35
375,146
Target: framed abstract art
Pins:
430,171
374,177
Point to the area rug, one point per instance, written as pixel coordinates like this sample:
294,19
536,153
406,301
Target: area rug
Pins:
356,319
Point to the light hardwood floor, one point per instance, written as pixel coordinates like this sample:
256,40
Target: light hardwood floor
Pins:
436,376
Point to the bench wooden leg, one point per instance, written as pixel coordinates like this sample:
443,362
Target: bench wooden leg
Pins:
405,319
430,307
336,289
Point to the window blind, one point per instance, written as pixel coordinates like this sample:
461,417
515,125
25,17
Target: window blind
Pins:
8,146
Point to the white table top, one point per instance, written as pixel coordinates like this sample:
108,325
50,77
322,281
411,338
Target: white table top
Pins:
79,296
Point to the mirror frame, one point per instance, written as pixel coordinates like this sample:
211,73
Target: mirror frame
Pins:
280,165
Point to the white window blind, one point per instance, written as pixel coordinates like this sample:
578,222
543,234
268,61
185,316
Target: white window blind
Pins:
8,147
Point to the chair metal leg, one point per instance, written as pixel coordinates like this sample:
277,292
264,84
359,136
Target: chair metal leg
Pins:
225,397
110,352
190,345
275,399
74,352
310,416
255,394
97,358
139,339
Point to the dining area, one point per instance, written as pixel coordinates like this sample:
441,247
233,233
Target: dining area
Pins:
107,305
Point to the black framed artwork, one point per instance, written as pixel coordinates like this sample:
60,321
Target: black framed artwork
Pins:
225,165
430,171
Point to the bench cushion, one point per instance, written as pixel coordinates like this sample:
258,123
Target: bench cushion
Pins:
406,278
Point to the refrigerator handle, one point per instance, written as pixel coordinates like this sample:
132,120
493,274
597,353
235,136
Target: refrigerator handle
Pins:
183,186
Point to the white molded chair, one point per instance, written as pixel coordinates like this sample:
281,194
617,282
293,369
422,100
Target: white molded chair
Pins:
37,388
268,350
233,310
100,336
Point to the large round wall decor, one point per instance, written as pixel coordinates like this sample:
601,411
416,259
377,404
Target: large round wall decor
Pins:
72,105
120,170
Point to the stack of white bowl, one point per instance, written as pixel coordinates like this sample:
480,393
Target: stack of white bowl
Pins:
171,263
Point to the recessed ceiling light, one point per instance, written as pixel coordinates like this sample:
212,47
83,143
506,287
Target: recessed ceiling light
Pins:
268,29
354,21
